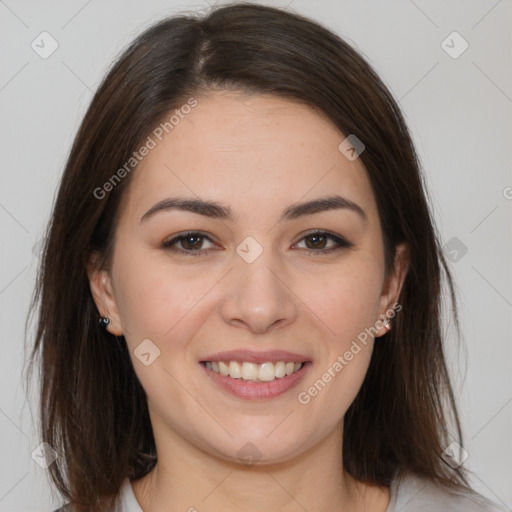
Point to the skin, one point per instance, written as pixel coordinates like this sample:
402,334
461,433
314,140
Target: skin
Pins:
257,155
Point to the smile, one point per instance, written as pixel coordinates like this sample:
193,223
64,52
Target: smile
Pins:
255,381
265,372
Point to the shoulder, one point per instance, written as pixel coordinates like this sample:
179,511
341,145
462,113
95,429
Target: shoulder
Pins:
414,494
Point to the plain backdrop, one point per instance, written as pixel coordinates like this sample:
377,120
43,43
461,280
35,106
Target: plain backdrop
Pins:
458,107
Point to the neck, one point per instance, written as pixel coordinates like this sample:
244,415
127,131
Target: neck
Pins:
187,478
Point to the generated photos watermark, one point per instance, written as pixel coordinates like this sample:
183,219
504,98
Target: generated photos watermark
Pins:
152,141
304,397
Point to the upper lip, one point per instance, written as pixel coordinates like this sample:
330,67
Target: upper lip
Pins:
268,356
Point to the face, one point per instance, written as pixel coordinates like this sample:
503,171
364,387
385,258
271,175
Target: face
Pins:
248,277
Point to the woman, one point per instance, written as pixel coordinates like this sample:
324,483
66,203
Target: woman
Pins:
241,289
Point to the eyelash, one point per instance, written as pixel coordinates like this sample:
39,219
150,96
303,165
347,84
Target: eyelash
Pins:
342,243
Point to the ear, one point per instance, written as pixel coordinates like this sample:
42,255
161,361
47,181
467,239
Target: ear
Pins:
392,287
100,281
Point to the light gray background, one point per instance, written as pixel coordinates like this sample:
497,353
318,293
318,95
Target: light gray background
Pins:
458,110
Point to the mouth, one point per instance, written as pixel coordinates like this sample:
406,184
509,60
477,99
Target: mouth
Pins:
252,381
252,372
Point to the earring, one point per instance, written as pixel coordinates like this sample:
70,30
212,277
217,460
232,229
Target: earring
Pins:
387,325
104,321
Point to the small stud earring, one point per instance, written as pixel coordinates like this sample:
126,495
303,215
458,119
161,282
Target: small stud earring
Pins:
387,325
104,321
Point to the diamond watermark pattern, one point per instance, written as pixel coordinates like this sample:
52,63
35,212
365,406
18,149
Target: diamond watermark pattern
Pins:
38,247
454,455
249,249
454,45
454,249
147,352
44,45
44,455
249,454
351,147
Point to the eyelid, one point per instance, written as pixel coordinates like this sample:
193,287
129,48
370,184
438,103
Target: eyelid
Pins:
324,232
169,242
341,242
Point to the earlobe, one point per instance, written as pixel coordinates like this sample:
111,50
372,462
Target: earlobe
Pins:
100,282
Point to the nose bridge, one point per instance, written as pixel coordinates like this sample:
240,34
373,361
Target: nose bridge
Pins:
258,295
257,271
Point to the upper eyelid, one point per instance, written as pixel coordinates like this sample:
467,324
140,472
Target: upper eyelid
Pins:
339,239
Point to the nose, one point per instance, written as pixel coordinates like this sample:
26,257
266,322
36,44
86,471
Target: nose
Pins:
258,297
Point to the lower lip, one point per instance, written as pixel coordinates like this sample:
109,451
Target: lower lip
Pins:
257,390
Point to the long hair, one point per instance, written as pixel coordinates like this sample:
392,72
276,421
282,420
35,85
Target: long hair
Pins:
93,409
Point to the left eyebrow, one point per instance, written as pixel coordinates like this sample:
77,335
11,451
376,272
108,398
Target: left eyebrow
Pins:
216,210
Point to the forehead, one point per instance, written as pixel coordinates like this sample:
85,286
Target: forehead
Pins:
249,151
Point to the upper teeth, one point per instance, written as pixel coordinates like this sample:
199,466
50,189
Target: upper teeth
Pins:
252,371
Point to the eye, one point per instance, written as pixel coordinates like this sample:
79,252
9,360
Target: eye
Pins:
316,242
191,243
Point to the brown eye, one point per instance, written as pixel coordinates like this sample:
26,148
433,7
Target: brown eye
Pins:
191,243
316,242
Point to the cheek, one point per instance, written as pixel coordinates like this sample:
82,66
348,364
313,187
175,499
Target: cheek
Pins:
346,305
157,302
345,300
154,296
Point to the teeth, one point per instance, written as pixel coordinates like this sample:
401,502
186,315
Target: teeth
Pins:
265,372
223,368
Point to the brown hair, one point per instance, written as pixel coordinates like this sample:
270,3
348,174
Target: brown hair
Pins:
93,409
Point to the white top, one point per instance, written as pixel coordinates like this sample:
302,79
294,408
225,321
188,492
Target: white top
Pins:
411,494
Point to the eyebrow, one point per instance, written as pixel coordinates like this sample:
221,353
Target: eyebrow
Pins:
216,210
